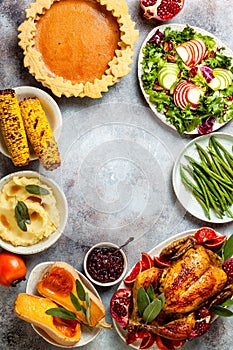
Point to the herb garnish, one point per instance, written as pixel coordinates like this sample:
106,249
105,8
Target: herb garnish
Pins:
38,190
70,315
227,249
220,310
148,306
22,215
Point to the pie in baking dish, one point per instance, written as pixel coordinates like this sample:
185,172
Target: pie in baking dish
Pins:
78,47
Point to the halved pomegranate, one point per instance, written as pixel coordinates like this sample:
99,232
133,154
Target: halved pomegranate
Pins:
121,305
163,10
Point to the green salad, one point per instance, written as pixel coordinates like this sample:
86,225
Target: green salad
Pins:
168,49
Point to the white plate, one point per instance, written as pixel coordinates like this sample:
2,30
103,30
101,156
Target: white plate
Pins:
178,27
87,333
153,252
50,108
184,195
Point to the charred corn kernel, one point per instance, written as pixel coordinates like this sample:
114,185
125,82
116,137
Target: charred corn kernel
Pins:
39,133
12,128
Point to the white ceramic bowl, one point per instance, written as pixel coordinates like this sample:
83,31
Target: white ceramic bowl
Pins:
62,208
107,284
50,107
87,333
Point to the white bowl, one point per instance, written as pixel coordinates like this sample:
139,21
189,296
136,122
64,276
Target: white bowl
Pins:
62,208
87,333
107,284
50,107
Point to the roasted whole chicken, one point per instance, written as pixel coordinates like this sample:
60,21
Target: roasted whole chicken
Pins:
192,280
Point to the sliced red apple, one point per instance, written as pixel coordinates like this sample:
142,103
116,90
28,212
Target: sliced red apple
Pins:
193,96
197,49
183,53
204,48
192,52
186,92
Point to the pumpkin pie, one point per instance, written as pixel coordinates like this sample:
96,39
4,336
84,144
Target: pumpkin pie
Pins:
78,47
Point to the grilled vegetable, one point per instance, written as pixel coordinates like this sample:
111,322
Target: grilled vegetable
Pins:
12,128
40,133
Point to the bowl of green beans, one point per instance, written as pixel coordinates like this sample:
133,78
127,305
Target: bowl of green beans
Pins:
203,177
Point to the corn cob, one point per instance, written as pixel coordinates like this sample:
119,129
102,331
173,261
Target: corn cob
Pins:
39,133
12,128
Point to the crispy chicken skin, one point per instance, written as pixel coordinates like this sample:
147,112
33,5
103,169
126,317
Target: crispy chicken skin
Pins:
192,280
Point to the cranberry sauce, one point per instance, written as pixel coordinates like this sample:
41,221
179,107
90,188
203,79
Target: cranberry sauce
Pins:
105,264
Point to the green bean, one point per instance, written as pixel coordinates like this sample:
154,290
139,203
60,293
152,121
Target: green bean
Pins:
203,188
196,193
219,145
221,161
227,184
221,171
203,154
186,179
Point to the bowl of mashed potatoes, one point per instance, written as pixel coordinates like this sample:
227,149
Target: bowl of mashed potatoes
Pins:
33,212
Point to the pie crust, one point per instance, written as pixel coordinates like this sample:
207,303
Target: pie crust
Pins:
116,68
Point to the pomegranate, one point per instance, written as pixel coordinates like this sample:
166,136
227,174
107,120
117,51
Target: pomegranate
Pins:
202,325
163,10
228,268
121,305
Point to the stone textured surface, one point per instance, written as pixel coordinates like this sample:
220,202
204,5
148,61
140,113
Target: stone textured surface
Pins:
116,172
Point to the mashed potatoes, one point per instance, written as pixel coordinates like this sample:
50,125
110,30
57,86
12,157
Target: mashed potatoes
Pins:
42,210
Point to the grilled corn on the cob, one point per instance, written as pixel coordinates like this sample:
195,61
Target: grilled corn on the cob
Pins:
12,128
39,133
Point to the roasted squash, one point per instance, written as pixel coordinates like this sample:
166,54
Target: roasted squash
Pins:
58,281
32,308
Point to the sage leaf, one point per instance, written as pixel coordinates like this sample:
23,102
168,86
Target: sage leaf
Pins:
80,290
83,310
152,310
221,311
22,215
161,297
38,190
227,302
88,310
227,251
150,292
143,300
62,313
75,301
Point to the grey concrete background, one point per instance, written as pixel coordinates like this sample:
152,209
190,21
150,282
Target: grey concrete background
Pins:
116,172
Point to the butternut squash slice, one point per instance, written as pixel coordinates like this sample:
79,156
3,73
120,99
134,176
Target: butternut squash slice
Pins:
31,308
58,281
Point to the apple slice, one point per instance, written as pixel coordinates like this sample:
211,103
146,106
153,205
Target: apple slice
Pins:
193,96
186,92
184,53
178,94
222,79
192,52
198,52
